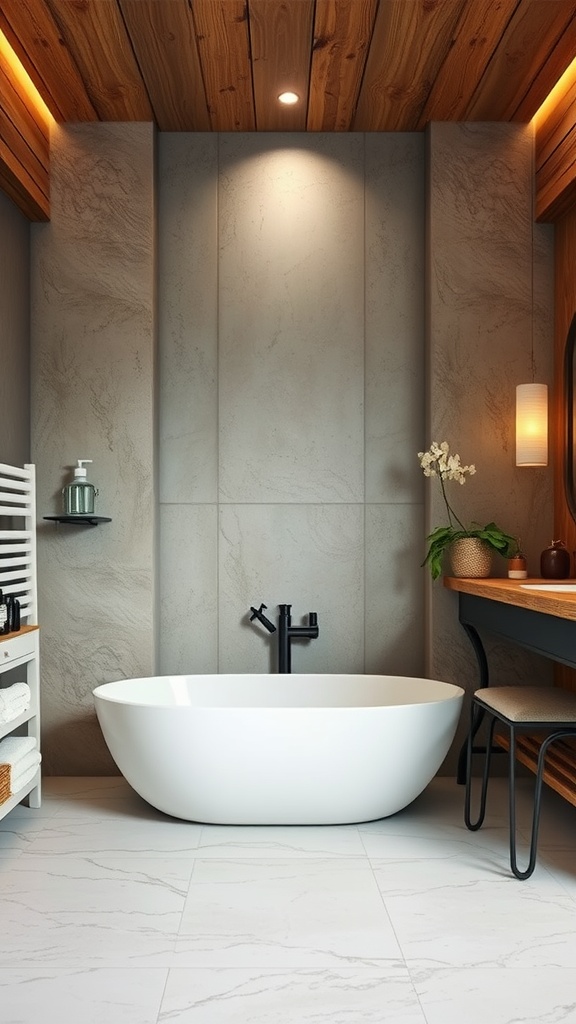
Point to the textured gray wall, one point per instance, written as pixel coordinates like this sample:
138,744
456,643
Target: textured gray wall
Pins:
292,391
479,321
14,334
93,378
291,277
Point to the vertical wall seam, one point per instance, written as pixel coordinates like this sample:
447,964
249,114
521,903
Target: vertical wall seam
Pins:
217,312
365,400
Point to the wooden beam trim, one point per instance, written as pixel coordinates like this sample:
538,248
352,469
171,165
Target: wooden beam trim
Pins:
21,188
556,181
15,143
552,68
552,132
34,133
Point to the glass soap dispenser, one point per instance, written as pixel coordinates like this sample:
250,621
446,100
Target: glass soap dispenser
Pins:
79,495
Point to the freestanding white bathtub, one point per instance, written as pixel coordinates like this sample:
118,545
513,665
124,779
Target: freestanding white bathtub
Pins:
278,749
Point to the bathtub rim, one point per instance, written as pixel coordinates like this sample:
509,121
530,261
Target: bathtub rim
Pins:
453,692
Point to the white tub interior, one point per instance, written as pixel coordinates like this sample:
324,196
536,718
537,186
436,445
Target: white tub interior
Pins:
276,691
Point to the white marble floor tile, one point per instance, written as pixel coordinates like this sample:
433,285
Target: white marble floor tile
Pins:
498,995
294,913
560,863
337,996
70,837
439,810
463,923
33,814
410,919
411,860
16,835
88,996
97,911
227,841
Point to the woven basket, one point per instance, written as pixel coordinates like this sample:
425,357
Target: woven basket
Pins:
470,556
5,786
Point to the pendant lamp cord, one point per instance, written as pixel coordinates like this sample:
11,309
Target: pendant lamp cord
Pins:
532,186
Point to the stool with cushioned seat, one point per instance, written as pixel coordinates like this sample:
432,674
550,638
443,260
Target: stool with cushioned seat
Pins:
546,709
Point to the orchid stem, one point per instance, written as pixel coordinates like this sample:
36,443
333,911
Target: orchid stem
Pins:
449,509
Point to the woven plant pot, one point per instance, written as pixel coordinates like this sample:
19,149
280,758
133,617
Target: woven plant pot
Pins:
470,556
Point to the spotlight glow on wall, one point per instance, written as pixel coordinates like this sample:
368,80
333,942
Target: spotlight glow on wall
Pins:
288,98
531,425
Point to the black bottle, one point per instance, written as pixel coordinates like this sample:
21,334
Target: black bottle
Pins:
9,624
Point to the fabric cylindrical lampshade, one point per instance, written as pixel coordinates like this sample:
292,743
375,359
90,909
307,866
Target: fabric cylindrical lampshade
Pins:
531,425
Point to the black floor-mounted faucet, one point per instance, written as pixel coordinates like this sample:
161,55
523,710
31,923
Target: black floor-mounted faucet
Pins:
286,631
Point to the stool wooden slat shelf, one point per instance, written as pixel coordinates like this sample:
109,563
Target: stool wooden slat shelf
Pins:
560,769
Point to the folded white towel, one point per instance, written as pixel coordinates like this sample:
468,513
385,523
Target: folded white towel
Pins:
16,692
14,748
13,712
17,782
14,701
31,760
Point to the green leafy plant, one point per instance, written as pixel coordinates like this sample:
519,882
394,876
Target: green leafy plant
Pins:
438,461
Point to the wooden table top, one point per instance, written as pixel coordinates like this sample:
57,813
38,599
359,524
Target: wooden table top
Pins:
507,591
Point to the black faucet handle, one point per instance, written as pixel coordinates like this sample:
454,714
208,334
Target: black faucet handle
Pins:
312,618
257,613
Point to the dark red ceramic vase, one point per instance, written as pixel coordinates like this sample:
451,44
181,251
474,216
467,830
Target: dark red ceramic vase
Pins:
555,561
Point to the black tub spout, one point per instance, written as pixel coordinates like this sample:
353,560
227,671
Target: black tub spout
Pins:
287,632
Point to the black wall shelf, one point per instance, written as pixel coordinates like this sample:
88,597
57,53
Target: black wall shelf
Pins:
79,520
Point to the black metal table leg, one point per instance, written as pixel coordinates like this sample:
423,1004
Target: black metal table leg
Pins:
482,660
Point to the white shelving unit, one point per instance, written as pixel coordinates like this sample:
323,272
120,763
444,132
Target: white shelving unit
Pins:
18,576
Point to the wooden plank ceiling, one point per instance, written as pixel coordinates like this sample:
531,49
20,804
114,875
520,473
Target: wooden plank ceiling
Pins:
219,65
358,65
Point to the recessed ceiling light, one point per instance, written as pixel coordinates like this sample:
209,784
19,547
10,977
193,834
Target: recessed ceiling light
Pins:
288,98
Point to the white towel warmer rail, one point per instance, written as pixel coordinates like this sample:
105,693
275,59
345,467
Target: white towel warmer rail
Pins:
18,576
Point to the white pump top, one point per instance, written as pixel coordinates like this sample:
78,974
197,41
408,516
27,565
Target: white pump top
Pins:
80,469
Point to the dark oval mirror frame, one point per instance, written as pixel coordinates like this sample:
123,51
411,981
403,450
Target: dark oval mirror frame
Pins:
570,418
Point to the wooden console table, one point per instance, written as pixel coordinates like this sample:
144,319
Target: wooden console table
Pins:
541,621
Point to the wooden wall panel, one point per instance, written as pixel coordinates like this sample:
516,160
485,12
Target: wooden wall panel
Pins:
556,181
19,185
24,148
556,152
565,307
